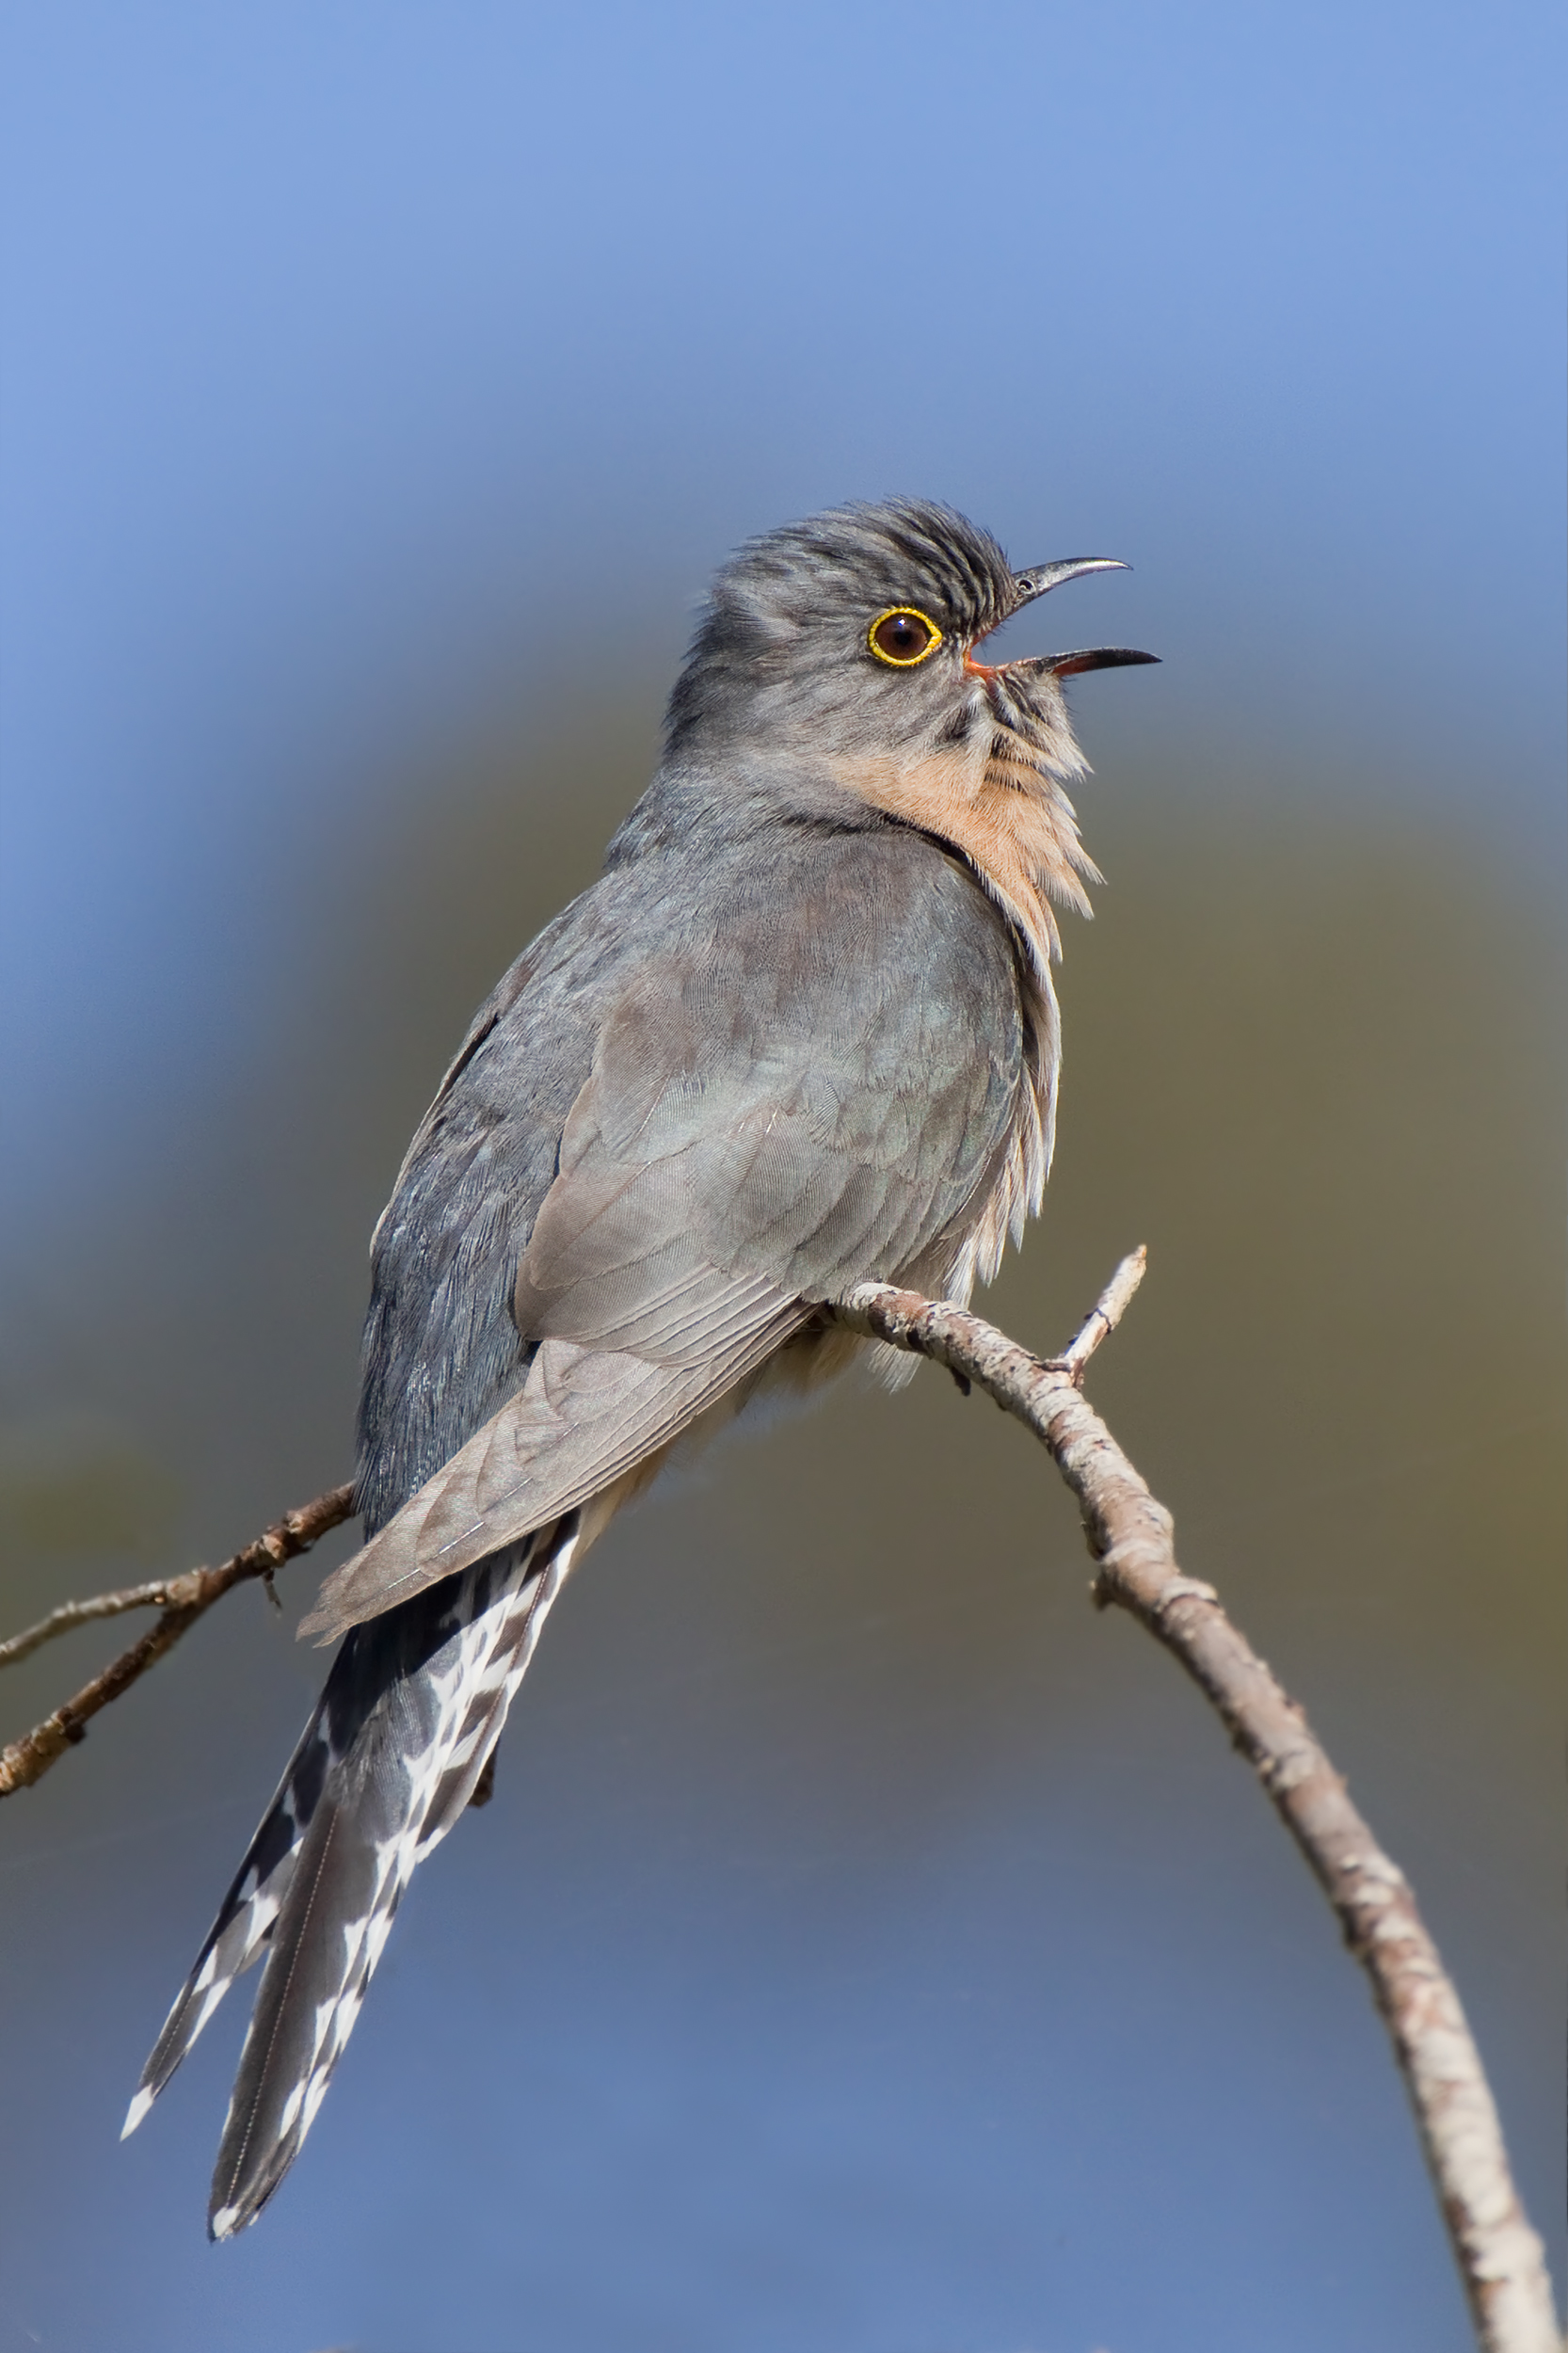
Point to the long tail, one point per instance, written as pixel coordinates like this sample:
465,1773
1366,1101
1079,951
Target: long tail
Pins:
411,1712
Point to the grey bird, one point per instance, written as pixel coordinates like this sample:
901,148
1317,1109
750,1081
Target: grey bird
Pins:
800,1035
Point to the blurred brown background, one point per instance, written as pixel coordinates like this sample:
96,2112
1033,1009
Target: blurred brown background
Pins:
869,1947
830,1727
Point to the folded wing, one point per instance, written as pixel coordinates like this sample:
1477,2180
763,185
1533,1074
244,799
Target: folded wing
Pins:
762,1125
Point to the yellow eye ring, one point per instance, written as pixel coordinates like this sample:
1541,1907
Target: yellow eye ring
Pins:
889,642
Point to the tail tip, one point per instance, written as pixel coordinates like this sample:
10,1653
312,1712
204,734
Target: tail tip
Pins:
136,2111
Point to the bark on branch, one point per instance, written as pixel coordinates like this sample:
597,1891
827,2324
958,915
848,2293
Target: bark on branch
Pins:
182,1601
1130,1538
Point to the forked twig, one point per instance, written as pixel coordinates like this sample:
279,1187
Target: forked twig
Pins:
182,1601
1130,1538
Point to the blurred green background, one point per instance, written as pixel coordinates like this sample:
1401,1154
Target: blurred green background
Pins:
870,1946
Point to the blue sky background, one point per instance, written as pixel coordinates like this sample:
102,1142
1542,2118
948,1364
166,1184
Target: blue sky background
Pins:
382,384
364,360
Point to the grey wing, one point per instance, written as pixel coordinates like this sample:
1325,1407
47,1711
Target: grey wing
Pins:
815,1091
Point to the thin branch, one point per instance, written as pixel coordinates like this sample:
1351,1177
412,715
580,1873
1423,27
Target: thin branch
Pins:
1130,1537
181,1600
160,1593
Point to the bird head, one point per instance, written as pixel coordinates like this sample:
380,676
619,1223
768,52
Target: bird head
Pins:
858,632
846,649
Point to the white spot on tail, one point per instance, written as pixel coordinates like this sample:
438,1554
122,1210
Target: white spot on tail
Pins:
135,2113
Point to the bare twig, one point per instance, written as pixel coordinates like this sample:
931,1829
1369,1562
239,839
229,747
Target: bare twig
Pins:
182,1601
1130,1538
160,1593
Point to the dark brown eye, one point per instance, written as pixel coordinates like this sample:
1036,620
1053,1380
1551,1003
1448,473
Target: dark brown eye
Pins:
903,636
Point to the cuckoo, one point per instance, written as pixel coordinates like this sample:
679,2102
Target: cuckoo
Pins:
800,1035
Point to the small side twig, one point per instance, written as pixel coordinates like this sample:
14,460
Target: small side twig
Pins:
182,1601
1131,1539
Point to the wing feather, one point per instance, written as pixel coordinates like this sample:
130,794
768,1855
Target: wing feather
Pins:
768,1116
586,1416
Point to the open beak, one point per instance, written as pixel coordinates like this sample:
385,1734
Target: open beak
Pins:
1037,582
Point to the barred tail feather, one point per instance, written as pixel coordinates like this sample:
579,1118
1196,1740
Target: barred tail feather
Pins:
239,1934
412,1710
